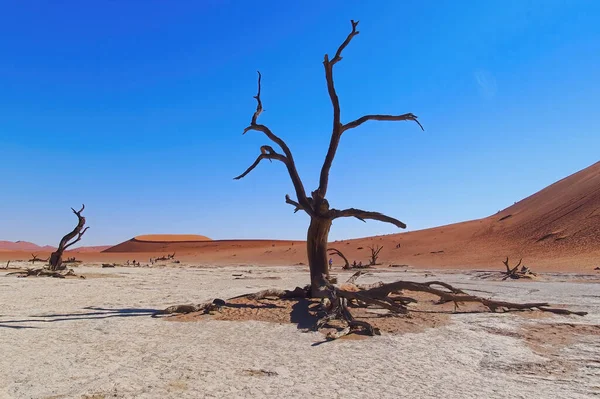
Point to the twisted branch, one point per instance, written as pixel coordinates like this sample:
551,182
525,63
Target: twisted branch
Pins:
77,231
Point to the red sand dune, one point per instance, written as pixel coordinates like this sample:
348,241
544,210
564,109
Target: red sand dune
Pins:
23,246
171,238
91,249
555,229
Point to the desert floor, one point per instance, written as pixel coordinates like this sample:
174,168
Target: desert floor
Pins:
95,338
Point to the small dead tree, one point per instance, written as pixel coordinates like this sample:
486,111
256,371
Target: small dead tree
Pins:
34,258
338,299
515,272
333,251
166,257
375,250
56,262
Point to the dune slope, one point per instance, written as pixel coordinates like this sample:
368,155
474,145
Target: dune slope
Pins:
557,228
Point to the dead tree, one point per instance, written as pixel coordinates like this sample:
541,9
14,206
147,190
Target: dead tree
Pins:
56,262
316,204
338,299
515,272
333,251
166,257
374,254
34,258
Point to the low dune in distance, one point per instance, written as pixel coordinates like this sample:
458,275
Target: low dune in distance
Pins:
171,238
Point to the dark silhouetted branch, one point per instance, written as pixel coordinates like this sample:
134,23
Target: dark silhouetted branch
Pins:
364,215
390,118
268,153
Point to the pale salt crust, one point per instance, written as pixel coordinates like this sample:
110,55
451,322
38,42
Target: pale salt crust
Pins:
95,338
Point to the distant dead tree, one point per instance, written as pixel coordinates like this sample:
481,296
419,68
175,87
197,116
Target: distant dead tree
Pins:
7,264
515,272
333,251
56,262
375,250
337,300
34,258
166,257
71,259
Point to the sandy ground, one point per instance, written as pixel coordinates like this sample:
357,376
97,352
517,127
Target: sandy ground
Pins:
94,338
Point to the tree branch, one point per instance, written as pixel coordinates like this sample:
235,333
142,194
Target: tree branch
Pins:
64,243
339,128
392,118
78,238
335,102
287,153
363,215
263,155
290,201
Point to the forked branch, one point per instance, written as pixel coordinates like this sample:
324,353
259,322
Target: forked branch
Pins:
266,153
515,273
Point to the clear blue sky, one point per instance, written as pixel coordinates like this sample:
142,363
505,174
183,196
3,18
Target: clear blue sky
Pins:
136,108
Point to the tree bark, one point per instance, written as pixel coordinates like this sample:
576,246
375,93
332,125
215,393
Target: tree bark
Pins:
56,261
316,246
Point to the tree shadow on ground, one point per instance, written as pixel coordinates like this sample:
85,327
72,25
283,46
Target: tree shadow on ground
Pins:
301,315
96,313
2,325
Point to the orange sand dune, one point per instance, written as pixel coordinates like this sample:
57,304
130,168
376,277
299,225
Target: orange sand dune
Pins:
22,246
97,248
171,237
555,229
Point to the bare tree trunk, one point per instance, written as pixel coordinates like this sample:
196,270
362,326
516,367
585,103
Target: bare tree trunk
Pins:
316,245
56,261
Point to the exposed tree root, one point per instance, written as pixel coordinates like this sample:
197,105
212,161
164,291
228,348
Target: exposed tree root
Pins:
45,272
335,307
